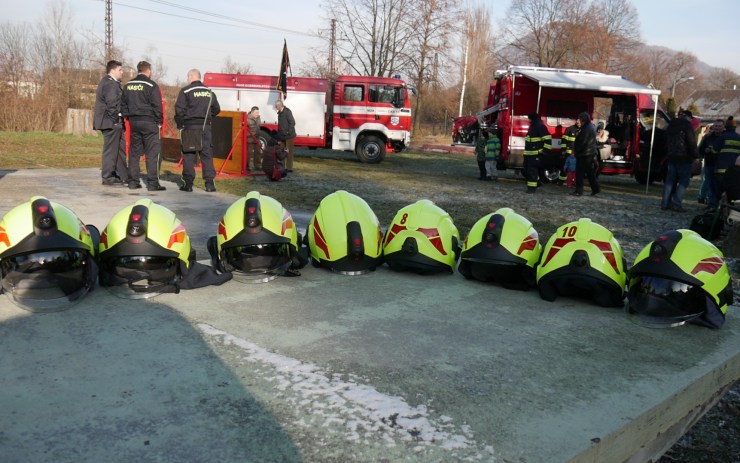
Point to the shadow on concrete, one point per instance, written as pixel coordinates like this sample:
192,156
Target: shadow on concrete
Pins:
3,173
127,382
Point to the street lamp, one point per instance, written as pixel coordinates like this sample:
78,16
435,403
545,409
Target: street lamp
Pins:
678,81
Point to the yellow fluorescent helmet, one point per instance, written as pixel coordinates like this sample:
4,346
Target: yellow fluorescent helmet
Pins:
257,240
502,247
422,238
582,258
46,256
677,278
344,235
142,249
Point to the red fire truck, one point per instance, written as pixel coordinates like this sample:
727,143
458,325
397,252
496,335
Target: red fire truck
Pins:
367,115
636,124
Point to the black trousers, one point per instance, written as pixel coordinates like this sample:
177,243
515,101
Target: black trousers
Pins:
586,167
145,139
532,171
114,153
206,160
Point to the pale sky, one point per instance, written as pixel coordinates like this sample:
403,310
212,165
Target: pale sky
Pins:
159,29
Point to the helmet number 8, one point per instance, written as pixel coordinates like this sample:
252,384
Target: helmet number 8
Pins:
403,218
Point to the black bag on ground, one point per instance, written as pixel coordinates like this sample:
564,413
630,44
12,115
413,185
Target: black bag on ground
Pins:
703,223
191,140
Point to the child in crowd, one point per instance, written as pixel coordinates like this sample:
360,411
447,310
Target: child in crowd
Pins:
493,151
480,154
570,170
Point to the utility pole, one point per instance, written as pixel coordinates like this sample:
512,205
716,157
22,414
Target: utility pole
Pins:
332,45
108,30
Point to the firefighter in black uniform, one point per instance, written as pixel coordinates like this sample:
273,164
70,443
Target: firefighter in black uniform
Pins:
142,105
107,119
195,108
537,141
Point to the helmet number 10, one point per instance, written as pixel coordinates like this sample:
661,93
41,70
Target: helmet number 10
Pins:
570,231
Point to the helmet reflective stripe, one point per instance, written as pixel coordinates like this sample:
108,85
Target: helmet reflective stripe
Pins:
423,238
583,258
683,256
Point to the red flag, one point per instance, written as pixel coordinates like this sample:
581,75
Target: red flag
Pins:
282,83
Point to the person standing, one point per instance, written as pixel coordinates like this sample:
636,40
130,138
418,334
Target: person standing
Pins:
536,143
142,105
195,108
493,151
681,152
480,153
107,119
566,146
253,124
585,151
708,149
286,131
729,151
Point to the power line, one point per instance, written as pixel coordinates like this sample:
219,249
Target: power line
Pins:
248,24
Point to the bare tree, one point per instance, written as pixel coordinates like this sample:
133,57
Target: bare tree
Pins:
232,67
476,38
615,32
723,78
541,31
432,23
370,36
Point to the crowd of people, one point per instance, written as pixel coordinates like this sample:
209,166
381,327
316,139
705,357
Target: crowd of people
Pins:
716,147
139,102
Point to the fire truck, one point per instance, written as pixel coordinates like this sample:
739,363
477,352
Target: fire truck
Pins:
367,115
629,111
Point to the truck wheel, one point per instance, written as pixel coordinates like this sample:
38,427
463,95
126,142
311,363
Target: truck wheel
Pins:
370,149
262,137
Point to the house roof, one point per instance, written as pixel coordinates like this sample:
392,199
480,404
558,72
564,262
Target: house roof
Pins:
714,104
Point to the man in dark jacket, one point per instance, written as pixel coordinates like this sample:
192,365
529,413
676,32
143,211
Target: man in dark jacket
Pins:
195,108
681,152
107,119
585,150
286,131
726,169
536,143
708,149
142,105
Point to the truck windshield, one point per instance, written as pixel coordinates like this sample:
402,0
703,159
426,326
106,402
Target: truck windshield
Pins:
387,94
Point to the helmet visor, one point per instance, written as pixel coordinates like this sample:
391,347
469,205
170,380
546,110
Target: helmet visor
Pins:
257,263
663,303
140,277
47,281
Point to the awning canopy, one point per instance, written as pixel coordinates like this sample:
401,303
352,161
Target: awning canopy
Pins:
582,80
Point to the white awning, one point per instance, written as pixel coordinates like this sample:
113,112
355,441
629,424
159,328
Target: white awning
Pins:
583,80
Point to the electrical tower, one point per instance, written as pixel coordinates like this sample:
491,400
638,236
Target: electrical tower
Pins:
108,30
332,45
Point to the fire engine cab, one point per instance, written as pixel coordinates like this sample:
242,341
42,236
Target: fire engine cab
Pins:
367,115
629,111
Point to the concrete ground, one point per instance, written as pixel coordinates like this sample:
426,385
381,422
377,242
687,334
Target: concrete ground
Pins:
330,368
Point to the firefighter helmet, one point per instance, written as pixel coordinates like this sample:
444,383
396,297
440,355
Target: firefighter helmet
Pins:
582,258
47,256
502,247
422,238
257,240
344,235
144,251
679,277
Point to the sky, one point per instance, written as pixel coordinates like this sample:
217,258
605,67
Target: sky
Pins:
165,30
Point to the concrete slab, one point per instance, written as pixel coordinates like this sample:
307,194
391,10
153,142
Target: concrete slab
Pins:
323,367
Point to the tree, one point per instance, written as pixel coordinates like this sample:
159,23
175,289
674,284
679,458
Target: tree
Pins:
232,67
481,60
432,23
370,37
541,32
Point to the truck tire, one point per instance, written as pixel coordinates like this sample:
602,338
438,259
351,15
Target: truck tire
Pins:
263,136
370,149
